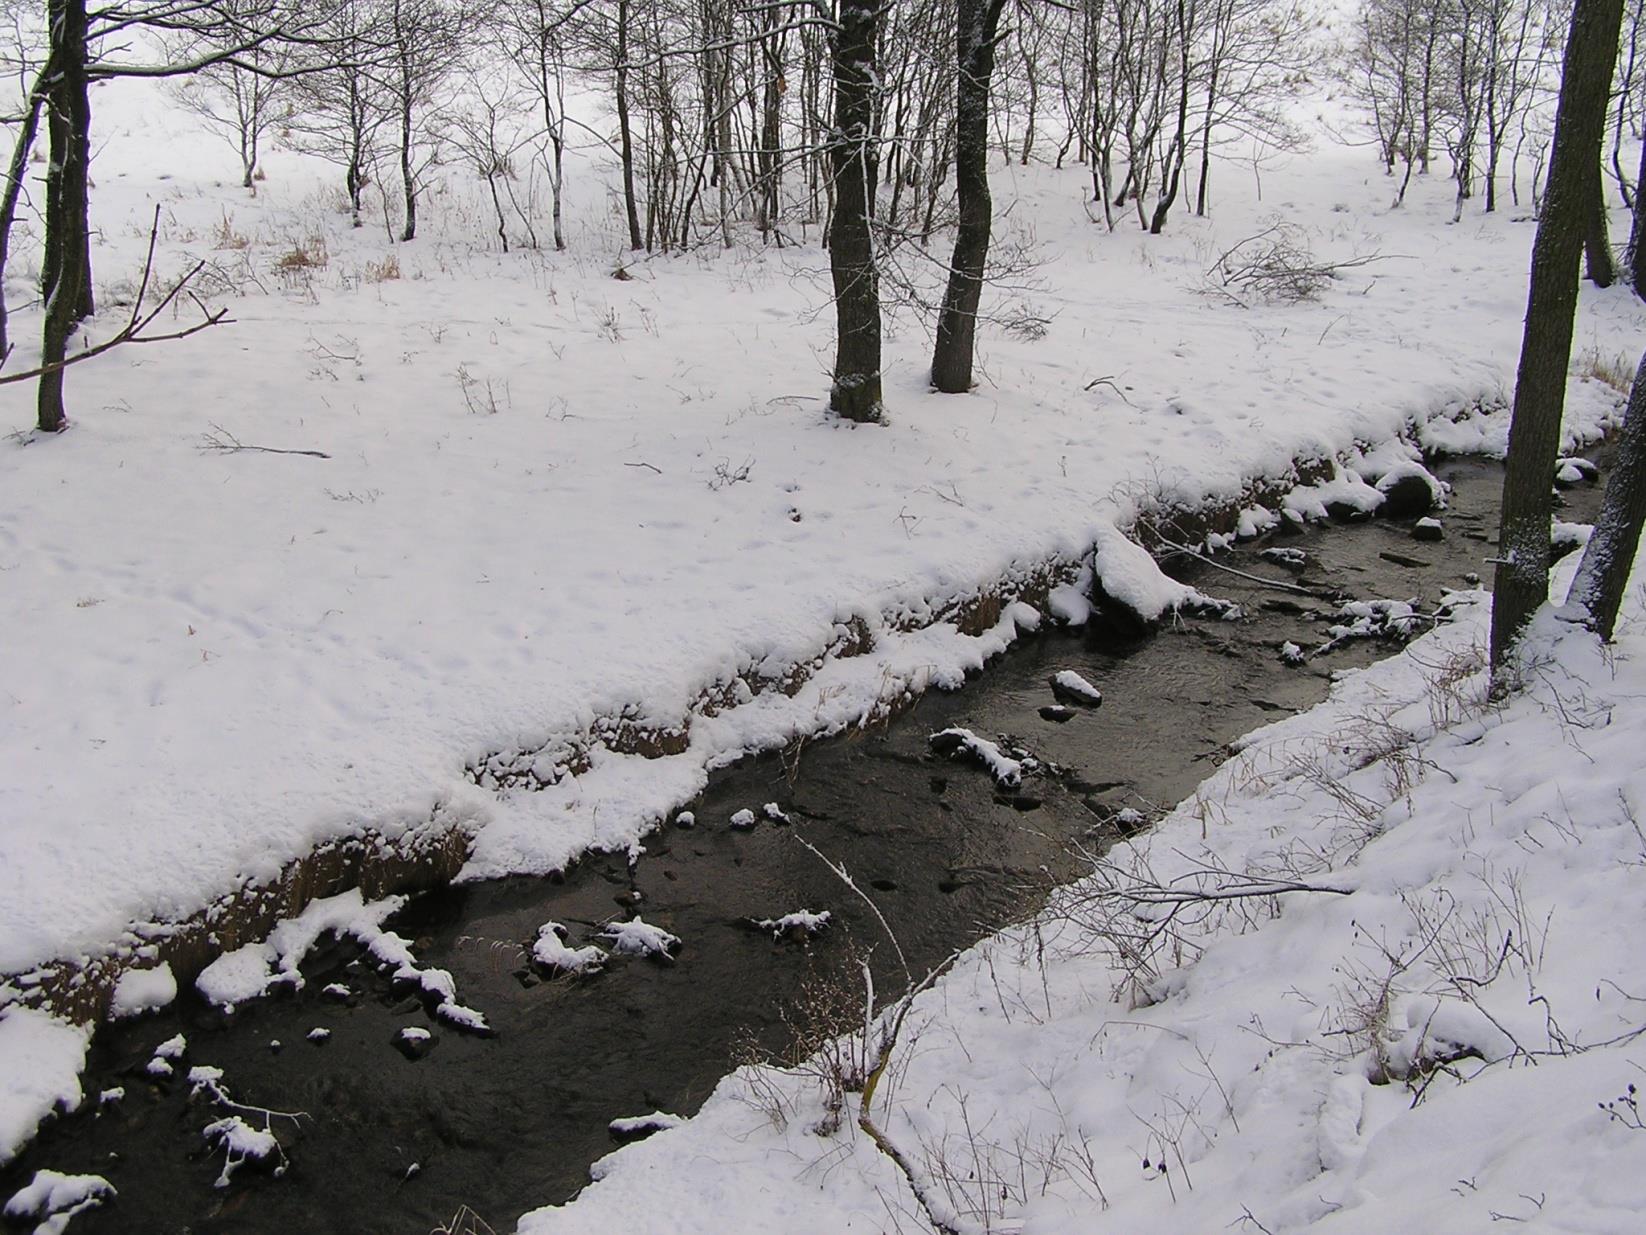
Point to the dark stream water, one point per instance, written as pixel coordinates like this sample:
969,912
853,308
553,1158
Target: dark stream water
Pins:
512,1121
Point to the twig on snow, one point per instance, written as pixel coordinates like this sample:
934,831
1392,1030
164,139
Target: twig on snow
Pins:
224,442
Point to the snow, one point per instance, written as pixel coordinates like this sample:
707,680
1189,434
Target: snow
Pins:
1574,470
743,820
959,743
635,1126
1131,578
40,1061
550,951
1415,1022
241,1143
143,990
801,921
174,1047
448,624
251,971
51,1199
1073,688
186,714
1405,468
1070,604
639,938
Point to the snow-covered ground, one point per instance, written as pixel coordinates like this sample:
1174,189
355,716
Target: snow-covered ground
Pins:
1425,1011
554,501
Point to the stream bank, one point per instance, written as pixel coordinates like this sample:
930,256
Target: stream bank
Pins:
510,1121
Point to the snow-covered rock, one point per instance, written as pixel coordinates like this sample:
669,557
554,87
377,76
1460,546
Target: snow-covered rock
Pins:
51,1199
552,952
960,743
640,938
143,990
801,924
1069,687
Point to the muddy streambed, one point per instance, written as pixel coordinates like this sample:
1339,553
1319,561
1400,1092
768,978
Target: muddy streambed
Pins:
507,1122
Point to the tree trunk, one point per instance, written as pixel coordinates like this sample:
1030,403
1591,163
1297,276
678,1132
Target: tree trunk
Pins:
1597,240
625,140
408,178
976,30
1521,581
1206,135
855,393
14,189
1603,574
67,287
1635,257
556,182
1172,172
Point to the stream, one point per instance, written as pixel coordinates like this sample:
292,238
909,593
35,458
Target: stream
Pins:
511,1121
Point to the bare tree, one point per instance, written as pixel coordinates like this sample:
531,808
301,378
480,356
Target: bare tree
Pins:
977,31
87,46
535,40
1521,582
423,44
486,130
240,98
339,104
854,159
27,61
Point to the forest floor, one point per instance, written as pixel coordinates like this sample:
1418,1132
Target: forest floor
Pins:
553,503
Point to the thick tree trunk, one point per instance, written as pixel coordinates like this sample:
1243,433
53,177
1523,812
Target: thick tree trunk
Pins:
67,283
855,393
1521,581
625,139
977,28
1603,574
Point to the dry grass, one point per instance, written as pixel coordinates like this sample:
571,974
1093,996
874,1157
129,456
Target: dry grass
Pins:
385,271
1616,371
225,237
311,254
464,1222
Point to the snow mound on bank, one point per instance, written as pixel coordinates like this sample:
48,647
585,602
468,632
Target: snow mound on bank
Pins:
40,1061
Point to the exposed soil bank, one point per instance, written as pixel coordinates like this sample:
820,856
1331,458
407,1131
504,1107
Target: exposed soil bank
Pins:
508,1122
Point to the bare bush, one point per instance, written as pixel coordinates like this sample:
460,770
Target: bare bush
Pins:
1275,266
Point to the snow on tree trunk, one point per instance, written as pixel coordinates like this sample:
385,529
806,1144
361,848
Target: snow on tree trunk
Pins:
1603,574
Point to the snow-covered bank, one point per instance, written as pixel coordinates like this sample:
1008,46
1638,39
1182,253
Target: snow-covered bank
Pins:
1381,972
